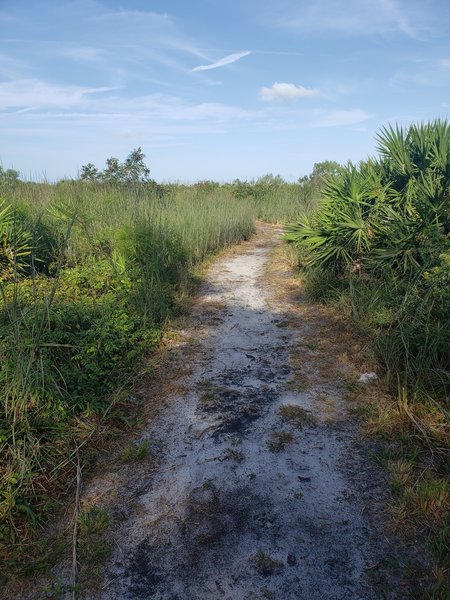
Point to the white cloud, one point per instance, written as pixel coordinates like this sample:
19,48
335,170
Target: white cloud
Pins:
285,92
340,118
226,60
36,93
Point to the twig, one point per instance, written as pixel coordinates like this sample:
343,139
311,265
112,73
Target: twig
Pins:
75,529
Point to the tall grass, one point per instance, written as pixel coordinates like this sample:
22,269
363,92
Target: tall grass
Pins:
276,201
105,267
102,268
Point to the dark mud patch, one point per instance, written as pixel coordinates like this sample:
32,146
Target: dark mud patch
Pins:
164,561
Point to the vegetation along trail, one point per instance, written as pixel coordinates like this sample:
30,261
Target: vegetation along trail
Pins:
259,486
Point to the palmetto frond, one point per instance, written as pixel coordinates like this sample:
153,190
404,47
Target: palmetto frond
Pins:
394,211
15,244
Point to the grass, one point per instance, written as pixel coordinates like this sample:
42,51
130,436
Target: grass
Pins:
414,434
278,440
135,452
233,454
296,415
93,547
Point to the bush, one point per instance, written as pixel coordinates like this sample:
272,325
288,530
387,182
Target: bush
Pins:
381,236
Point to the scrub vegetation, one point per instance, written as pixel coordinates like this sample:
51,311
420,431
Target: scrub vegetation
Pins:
90,272
378,248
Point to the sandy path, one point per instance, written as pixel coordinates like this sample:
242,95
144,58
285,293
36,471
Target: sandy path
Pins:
246,504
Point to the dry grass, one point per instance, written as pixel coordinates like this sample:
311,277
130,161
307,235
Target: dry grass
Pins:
296,415
278,440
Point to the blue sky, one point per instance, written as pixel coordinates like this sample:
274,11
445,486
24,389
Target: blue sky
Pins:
215,89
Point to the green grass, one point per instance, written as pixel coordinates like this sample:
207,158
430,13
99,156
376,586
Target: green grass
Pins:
135,452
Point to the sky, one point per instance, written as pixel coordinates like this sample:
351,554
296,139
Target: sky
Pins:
214,89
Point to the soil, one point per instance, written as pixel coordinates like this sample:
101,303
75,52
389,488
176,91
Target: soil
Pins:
261,484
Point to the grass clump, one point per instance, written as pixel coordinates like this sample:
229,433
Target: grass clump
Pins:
265,564
135,452
296,415
278,440
93,548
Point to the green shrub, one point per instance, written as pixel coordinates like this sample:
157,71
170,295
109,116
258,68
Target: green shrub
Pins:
381,238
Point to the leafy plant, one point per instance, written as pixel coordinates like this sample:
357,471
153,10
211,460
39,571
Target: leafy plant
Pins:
15,244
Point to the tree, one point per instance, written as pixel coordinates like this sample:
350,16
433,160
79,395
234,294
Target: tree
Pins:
132,170
322,171
90,172
270,179
9,175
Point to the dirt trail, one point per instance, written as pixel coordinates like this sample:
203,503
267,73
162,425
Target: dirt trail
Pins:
248,502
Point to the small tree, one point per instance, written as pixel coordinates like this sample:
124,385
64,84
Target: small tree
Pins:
9,175
90,172
134,168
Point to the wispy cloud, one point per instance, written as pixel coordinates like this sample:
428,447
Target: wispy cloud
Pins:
25,93
285,92
60,102
83,53
11,67
426,73
226,60
340,118
134,14
356,18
